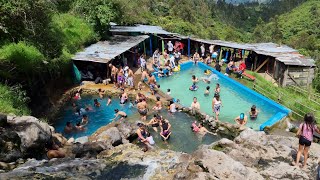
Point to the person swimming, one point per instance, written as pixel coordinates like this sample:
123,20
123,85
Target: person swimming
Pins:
172,107
84,120
109,100
96,103
194,87
194,79
79,127
208,79
253,112
194,127
122,114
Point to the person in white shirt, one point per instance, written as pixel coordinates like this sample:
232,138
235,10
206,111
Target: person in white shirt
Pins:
203,50
170,47
150,139
156,58
211,48
143,63
172,62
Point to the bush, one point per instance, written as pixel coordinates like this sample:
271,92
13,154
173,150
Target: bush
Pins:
13,100
76,32
22,55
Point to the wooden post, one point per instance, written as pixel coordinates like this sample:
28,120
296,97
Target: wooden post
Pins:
150,39
189,47
264,62
162,42
243,52
308,86
255,62
274,68
220,56
285,76
144,47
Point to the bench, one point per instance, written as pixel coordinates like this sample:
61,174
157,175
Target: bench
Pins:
250,77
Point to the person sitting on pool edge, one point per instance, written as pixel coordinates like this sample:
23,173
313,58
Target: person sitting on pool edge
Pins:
241,120
194,87
172,107
122,114
165,129
253,112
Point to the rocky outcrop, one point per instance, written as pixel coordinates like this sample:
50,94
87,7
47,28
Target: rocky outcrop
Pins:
22,137
251,155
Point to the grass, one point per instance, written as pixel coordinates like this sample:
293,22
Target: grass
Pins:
13,100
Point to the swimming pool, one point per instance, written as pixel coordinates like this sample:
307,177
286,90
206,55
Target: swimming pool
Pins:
235,97
182,139
98,117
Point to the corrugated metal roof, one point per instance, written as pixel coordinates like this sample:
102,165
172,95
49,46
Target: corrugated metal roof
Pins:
283,53
145,29
104,51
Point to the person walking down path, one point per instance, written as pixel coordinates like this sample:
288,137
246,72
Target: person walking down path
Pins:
305,134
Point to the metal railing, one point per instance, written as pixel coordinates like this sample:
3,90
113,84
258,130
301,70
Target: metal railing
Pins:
280,97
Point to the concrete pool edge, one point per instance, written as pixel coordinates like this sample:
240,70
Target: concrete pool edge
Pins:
283,111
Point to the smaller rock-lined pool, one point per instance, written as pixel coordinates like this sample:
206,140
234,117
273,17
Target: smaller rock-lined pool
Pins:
182,139
98,116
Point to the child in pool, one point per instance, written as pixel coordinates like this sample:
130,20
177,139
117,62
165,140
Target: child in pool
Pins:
168,92
96,103
109,100
194,127
207,92
150,139
194,87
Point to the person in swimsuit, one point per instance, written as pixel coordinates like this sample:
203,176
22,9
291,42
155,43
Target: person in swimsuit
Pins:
172,107
217,90
84,120
96,103
195,106
241,120
101,93
154,122
142,135
123,97
121,78
142,109
203,130
53,150
194,127
122,114
130,80
216,105
193,87
165,129
207,92
194,79
253,112
305,133
68,128
109,100
144,75
114,72
158,105
79,127
196,57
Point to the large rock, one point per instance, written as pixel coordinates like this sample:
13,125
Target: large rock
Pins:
22,137
90,149
111,135
33,133
222,166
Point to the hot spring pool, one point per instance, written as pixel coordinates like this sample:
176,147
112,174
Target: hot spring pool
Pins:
182,138
98,117
235,99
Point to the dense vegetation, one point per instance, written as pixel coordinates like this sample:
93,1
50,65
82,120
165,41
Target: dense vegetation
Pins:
38,37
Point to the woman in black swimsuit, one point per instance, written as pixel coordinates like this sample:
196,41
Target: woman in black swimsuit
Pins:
142,135
165,129
154,122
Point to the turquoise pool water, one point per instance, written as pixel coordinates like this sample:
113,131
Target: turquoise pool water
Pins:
99,116
234,99
182,139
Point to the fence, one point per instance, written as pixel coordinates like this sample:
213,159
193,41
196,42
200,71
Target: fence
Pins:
290,96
